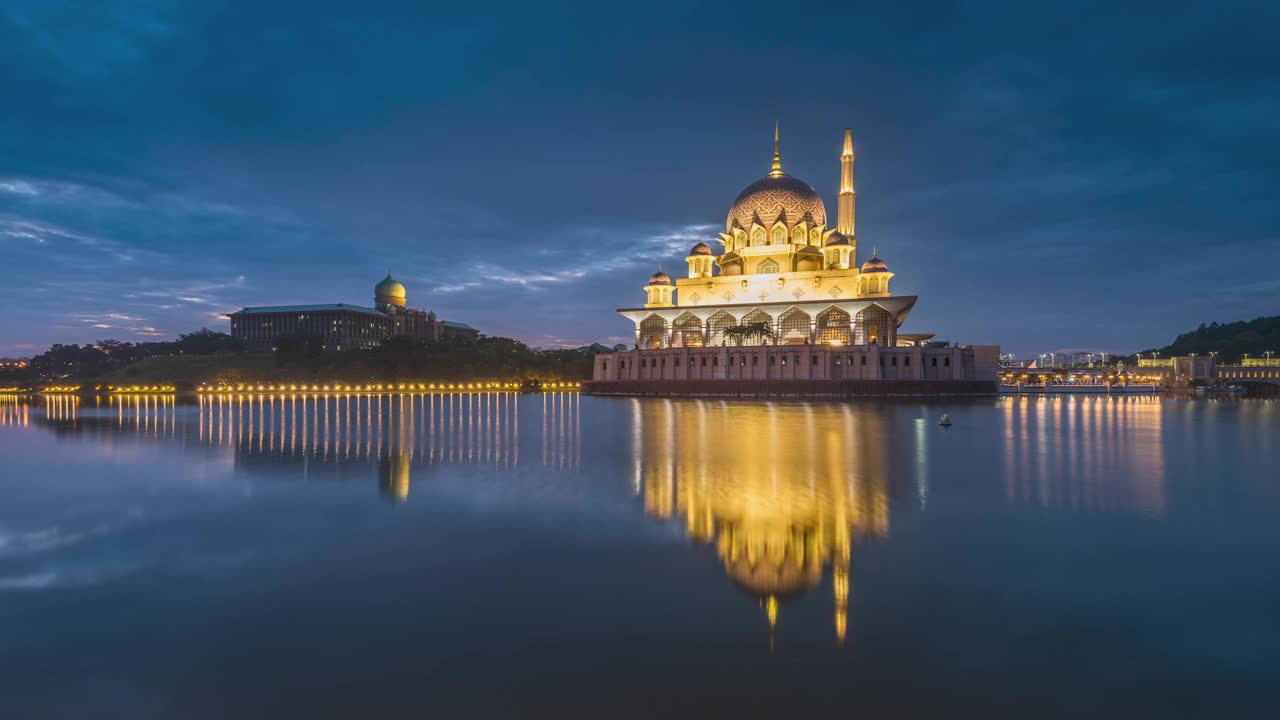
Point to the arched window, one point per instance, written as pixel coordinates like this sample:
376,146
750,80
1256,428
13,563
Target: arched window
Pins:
798,236
757,236
793,327
815,237
716,327
653,331
872,326
833,327
766,266
779,235
758,328
688,331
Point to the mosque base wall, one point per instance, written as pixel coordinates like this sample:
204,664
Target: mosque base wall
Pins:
797,370
793,388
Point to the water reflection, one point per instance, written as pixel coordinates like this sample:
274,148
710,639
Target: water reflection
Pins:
328,434
14,411
780,490
397,433
1090,454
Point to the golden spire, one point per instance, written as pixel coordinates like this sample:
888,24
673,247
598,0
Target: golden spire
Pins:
777,156
848,142
840,587
771,609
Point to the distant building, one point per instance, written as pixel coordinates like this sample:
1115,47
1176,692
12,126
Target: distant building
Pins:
345,327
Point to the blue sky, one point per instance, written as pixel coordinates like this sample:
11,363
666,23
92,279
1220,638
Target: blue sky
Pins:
1087,177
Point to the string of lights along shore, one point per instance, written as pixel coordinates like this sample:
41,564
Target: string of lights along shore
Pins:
785,299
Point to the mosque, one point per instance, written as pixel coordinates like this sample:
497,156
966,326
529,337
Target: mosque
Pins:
784,298
345,327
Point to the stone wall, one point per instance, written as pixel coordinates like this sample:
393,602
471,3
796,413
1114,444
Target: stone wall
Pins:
792,388
799,362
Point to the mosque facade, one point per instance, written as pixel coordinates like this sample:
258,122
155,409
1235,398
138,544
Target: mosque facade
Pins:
345,327
783,297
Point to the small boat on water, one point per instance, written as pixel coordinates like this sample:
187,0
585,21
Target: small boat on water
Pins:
945,421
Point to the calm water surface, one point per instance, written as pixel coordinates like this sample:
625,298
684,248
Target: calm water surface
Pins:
488,555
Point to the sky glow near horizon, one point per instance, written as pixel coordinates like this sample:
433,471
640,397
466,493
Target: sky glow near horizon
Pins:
1098,179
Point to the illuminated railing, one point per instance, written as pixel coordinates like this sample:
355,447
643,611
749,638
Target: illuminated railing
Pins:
54,389
1077,379
131,389
404,387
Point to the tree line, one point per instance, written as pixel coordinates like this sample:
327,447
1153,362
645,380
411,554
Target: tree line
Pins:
1229,341
301,356
85,362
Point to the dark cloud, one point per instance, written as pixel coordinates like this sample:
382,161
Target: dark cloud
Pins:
1084,176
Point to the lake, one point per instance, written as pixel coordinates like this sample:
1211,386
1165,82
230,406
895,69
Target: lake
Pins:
490,555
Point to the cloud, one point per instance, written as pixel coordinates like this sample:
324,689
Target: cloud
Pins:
169,160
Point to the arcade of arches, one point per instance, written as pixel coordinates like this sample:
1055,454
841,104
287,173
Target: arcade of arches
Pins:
872,325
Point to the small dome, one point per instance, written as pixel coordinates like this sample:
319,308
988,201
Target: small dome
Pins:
389,292
809,250
836,238
700,249
875,265
659,278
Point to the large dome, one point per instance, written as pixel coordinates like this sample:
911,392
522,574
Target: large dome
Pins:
389,292
776,195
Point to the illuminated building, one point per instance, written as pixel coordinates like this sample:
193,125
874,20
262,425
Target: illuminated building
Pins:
345,327
784,299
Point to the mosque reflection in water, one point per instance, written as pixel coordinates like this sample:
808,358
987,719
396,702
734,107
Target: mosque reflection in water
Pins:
779,510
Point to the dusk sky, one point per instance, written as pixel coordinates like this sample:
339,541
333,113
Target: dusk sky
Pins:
1094,179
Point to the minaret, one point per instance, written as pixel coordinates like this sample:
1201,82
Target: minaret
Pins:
777,156
844,222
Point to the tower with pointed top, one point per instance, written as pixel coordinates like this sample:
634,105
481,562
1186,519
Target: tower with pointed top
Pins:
776,170
845,207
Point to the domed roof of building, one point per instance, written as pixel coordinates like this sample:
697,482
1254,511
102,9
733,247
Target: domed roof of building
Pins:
773,197
659,278
776,196
874,265
389,287
768,576
700,249
836,238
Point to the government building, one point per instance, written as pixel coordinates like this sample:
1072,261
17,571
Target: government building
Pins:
783,298
342,326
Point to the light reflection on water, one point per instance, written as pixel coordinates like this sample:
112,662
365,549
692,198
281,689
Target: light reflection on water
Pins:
779,510
1085,453
847,532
